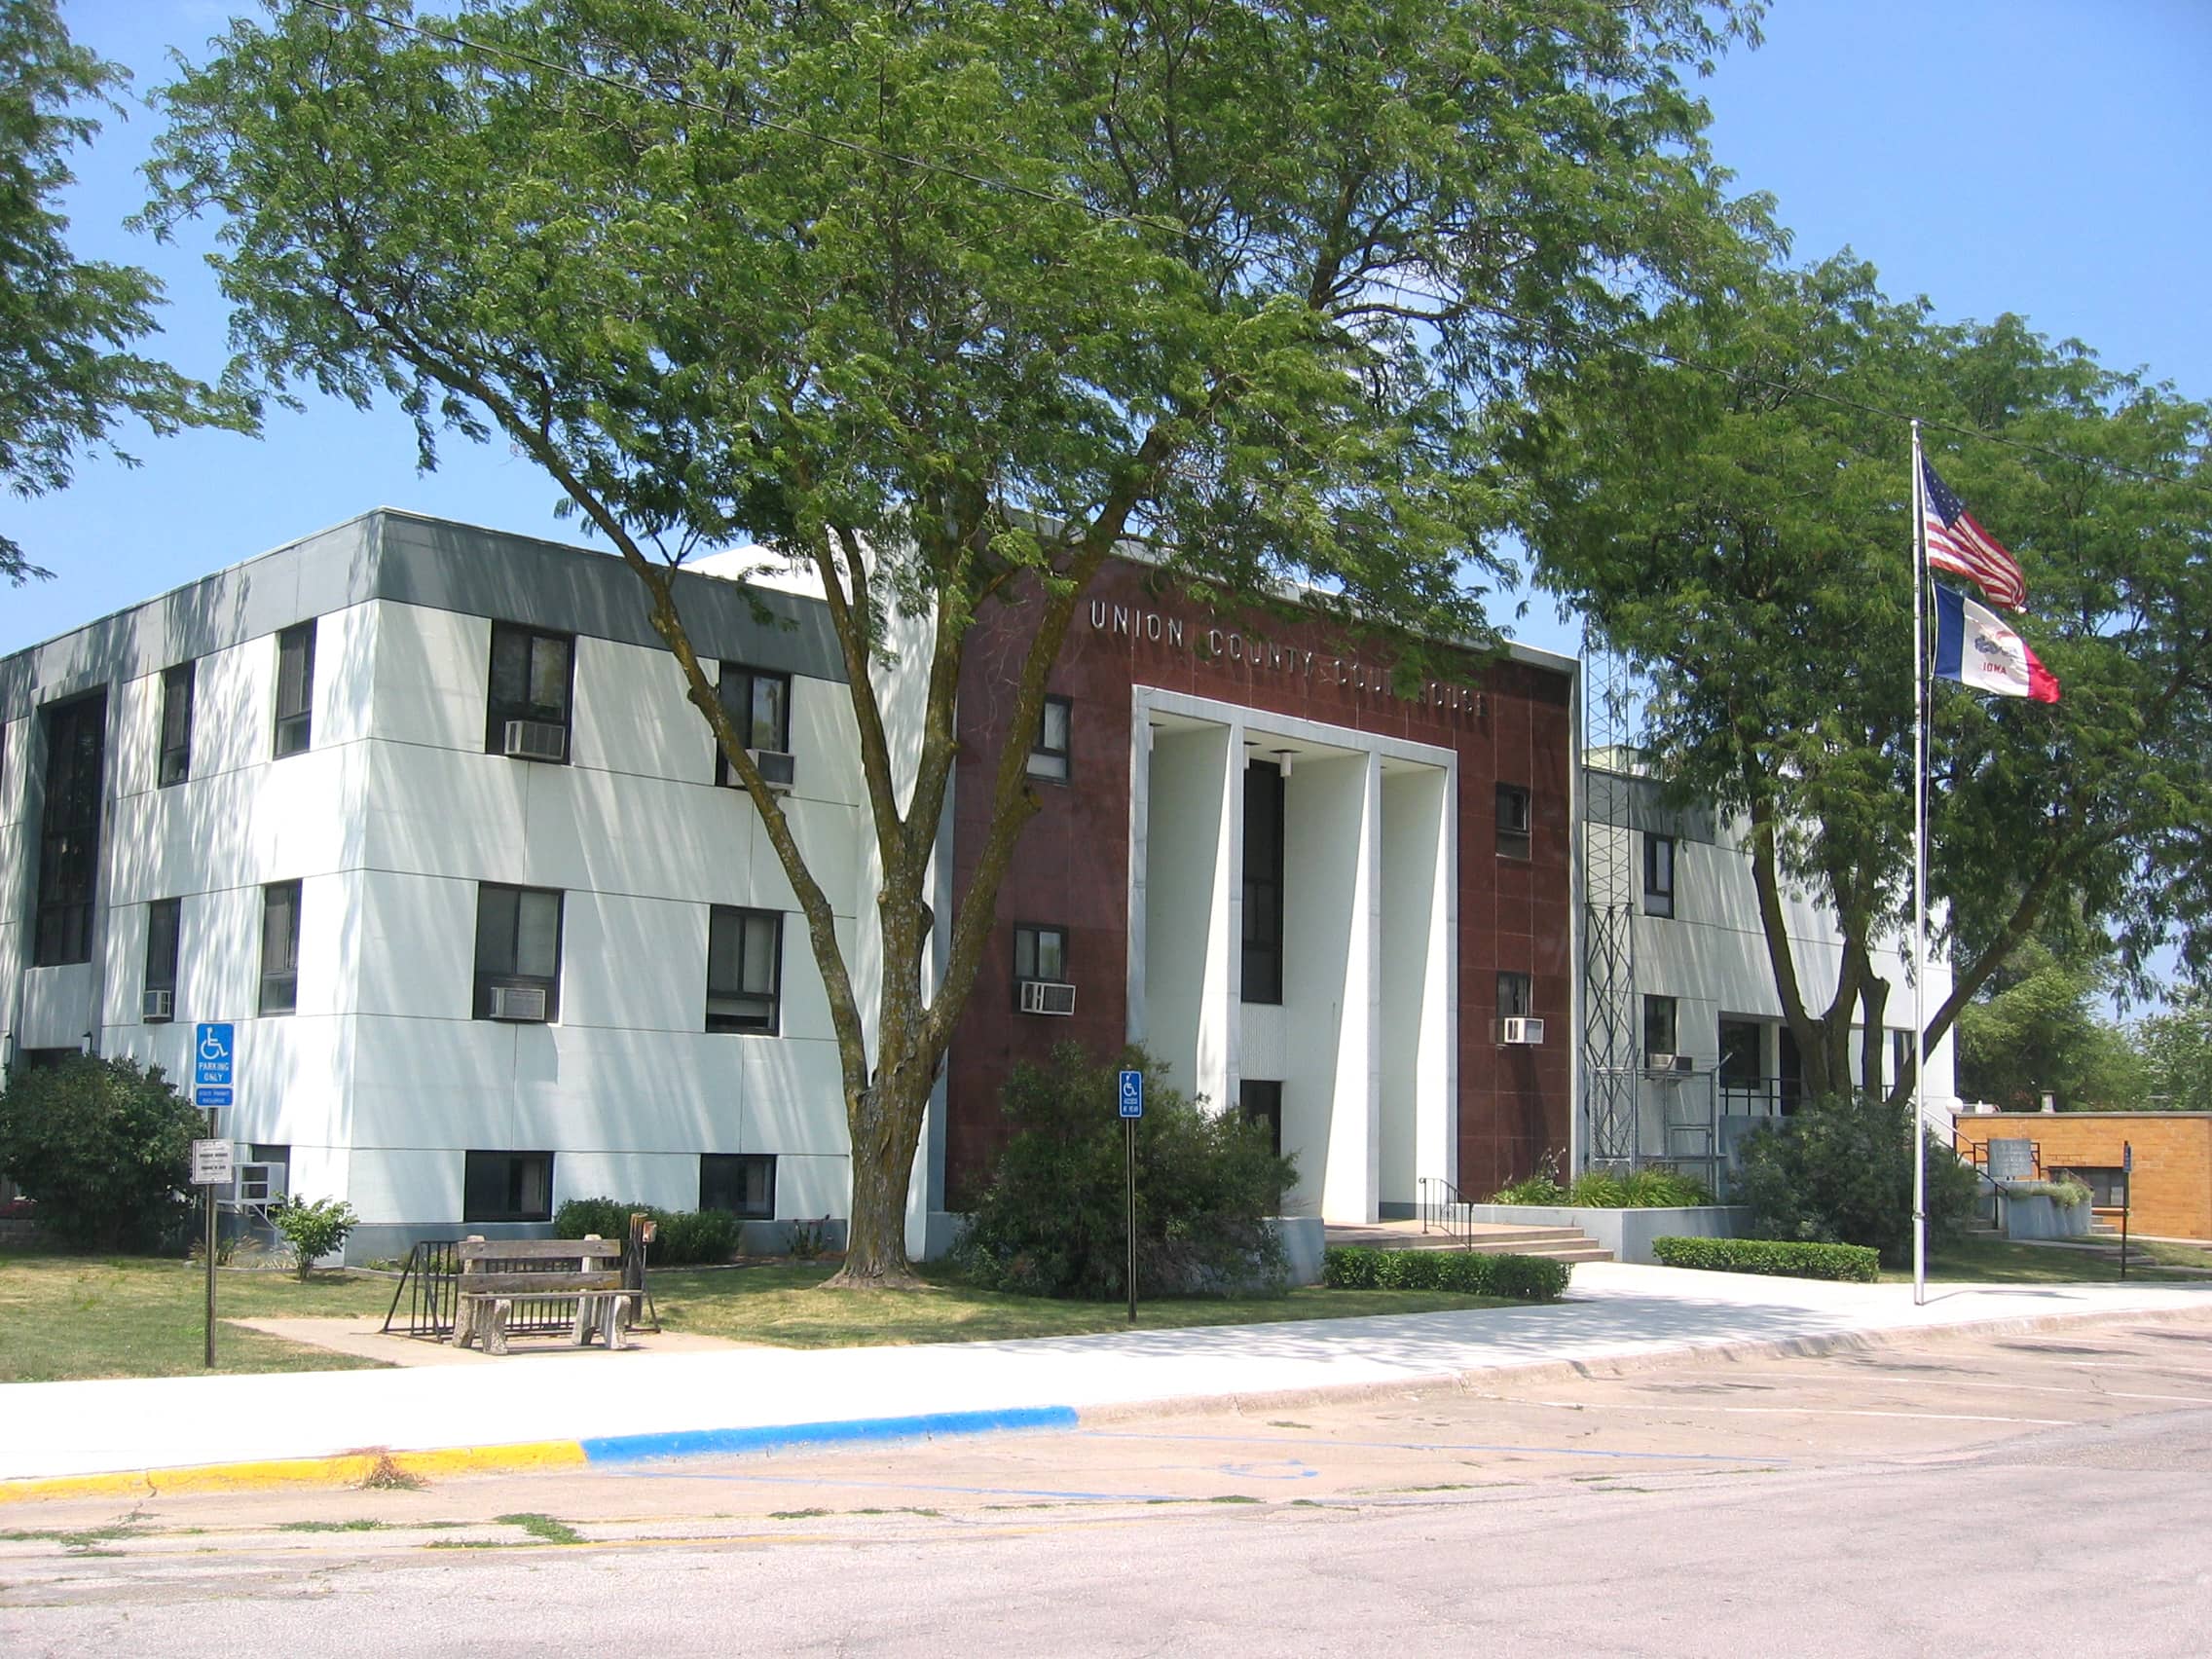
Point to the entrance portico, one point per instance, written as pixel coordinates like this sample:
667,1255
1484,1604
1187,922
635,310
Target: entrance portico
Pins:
1315,951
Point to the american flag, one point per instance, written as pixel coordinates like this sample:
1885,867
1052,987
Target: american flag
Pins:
1958,544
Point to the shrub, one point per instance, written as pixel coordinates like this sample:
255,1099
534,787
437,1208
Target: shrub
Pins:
104,1146
2065,1190
1471,1272
313,1228
1541,1188
1640,1189
1854,1263
1839,1171
1054,1221
682,1238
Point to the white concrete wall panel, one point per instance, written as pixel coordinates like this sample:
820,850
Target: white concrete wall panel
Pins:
1328,900
1187,871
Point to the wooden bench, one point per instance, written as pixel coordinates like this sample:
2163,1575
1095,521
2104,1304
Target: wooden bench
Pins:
492,1280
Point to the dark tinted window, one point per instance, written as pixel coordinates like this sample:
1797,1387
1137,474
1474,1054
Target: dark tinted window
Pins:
295,689
175,761
280,947
163,918
742,1183
533,673
518,948
1263,882
70,831
759,706
507,1185
745,969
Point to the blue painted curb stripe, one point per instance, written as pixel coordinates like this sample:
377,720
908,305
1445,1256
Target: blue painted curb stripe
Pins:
697,1442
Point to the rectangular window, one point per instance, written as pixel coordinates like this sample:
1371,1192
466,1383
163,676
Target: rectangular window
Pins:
1658,875
740,1183
759,704
1261,1102
163,918
1659,1033
2107,1183
745,969
1512,822
517,953
175,763
70,831
1515,996
1742,1061
533,673
506,1186
1049,749
1263,882
295,689
280,947
1039,955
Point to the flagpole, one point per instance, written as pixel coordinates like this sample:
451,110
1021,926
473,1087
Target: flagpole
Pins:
1919,877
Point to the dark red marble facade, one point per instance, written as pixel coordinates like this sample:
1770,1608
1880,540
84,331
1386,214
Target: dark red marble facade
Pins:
1511,722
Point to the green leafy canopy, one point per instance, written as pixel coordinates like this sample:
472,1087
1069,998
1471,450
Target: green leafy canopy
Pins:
68,375
945,305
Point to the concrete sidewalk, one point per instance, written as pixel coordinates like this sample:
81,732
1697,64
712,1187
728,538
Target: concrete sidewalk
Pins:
593,1407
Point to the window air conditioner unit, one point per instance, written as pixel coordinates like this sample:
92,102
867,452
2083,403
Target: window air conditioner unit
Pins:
1046,996
521,1002
1520,1033
778,770
160,1005
1666,1062
258,1183
536,740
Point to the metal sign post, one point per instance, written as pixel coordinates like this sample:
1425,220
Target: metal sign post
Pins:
2126,1197
1133,1108
212,1049
210,1170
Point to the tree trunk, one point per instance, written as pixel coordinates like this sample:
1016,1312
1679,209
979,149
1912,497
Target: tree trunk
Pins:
886,1127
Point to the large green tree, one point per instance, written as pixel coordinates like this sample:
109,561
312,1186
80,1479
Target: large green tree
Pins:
1728,494
942,304
2037,1029
2176,1049
67,373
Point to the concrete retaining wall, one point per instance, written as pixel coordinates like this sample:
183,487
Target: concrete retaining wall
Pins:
2033,1215
1627,1233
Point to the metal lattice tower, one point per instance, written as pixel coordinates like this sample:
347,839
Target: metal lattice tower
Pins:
1608,905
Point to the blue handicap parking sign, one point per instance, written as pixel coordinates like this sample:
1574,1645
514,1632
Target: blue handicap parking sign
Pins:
1132,1094
213,1051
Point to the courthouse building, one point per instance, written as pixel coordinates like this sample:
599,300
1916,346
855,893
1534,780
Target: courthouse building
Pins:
422,810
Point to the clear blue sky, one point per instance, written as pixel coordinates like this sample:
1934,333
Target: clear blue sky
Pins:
2046,157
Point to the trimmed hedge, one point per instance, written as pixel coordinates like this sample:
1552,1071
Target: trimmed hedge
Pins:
682,1237
1855,1264
1523,1278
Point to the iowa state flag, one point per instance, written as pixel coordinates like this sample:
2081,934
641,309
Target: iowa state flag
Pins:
1976,648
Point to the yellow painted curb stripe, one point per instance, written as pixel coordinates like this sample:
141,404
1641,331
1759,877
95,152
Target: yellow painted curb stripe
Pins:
348,1468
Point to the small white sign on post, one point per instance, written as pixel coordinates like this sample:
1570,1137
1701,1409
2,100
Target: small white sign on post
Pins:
212,1163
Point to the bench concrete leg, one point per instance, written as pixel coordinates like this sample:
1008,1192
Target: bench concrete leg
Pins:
586,1317
464,1323
611,1319
494,1327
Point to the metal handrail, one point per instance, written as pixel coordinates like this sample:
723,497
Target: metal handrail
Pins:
1441,1203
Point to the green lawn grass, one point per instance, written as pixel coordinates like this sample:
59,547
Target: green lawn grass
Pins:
73,1316
1998,1261
78,1317
777,1304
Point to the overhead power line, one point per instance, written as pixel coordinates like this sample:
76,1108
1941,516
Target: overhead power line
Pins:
347,9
